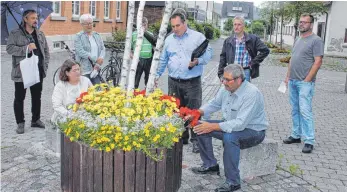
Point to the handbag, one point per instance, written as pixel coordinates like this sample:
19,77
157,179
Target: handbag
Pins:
29,69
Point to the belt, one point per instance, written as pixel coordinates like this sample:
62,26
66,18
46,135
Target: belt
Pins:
248,67
185,80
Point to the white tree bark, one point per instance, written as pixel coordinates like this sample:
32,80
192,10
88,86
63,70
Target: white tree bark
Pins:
159,47
139,40
127,49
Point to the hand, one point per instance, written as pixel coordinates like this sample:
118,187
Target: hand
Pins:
306,80
32,46
100,61
204,128
194,62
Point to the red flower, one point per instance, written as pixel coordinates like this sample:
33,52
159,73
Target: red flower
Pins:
143,92
79,99
184,111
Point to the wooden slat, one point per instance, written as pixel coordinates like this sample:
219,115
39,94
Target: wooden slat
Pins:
169,170
161,172
68,165
62,163
108,171
129,171
180,160
140,183
90,169
84,168
118,171
98,170
76,171
178,165
150,172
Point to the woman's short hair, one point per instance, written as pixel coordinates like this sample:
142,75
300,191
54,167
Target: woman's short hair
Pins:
66,67
86,17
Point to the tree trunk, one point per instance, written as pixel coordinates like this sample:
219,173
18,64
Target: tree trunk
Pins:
127,49
159,47
140,31
282,28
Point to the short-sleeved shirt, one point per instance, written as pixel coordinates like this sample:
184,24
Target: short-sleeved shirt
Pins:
302,58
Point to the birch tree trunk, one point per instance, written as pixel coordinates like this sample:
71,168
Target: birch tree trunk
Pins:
159,47
127,49
140,31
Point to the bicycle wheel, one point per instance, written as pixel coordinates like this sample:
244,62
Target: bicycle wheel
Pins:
56,76
110,73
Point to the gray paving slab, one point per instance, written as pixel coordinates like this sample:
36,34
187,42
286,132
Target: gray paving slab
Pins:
26,165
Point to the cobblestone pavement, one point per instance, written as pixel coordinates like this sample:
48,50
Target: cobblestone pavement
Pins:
26,165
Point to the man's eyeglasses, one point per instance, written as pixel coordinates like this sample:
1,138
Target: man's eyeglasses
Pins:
304,22
223,79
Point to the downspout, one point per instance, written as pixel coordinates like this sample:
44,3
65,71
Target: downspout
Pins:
326,25
126,22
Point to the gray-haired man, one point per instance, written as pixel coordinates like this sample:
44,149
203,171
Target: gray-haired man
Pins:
242,106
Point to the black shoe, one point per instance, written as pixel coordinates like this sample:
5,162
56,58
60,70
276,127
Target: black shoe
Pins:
20,128
206,170
291,140
38,124
196,147
307,148
227,188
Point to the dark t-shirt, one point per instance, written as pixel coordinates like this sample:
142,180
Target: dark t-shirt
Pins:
304,51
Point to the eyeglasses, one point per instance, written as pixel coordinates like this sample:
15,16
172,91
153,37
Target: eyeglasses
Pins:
303,22
87,24
227,80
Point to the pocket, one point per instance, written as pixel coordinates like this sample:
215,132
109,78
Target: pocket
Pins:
16,73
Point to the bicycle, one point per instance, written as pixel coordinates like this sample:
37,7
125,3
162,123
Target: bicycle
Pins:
72,56
112,72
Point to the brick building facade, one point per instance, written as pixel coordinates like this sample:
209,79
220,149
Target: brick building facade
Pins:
64,23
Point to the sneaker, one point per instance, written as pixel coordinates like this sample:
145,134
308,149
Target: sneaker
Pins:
196,147
206,170
227,188
20,128
291,140
307,148
38,124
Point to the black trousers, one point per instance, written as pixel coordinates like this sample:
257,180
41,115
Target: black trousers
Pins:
189,92
143,66
19,96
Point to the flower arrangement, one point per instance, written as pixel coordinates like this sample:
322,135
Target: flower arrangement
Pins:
106,118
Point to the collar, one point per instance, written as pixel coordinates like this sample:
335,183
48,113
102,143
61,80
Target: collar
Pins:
188,31
241,89
245,36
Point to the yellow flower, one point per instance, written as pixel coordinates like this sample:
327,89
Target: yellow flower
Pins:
162,129
175,139
108,149
126,138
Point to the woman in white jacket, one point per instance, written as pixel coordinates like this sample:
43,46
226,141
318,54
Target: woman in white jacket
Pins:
70,86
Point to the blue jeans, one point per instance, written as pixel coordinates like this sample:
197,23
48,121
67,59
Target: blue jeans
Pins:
248,75
233,143
300,95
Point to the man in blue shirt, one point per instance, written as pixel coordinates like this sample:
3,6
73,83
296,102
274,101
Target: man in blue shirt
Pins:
183,83
244,125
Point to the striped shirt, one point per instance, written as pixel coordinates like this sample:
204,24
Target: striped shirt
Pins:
242,56
146,48
242,109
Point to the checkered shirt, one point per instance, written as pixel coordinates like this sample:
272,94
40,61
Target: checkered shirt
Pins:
242,56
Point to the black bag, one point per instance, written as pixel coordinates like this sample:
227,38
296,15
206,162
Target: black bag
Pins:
255,71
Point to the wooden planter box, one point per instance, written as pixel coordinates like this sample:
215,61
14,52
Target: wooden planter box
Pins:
86,169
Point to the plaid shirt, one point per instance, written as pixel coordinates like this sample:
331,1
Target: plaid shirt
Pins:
241,54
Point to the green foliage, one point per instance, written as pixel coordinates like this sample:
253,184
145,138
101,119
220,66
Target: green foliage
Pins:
285,59
279,50
257,27
270,45
119,35
155,27
217,32
228,26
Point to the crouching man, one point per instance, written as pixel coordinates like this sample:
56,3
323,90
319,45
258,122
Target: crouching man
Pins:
244,125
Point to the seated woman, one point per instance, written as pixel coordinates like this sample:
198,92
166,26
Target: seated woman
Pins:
70,86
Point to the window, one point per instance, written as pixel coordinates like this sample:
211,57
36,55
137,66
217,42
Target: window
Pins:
237,8
57,45
107,10
92,8
75,8
118,10
345,36
56,6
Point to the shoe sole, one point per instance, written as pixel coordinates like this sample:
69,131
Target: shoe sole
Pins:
291,142
205,173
